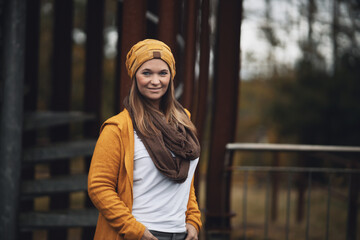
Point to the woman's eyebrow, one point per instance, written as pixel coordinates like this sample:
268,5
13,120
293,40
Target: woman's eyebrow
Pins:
150,70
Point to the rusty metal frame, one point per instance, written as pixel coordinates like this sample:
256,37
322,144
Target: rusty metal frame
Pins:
133,30
190,52
226,88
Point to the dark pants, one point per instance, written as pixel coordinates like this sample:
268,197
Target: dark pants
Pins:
169,236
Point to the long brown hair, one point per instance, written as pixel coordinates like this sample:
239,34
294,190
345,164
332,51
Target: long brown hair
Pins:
172,110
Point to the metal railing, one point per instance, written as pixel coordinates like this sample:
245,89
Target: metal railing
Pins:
353,180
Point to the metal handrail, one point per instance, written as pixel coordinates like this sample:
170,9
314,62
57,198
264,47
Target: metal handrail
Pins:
290,147
267,147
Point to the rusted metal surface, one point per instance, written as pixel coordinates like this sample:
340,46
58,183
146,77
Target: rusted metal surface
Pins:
168,16
203,83
133,30
12,55
226,86
199,115
190,51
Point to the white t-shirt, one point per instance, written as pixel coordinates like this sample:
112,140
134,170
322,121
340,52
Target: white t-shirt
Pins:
159,203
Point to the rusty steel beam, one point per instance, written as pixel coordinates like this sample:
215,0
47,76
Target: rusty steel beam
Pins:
168,16
190,53
199,115
133,30
202,86
11,121
226,86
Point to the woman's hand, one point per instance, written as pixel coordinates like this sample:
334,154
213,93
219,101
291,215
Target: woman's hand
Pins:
148,236
192,233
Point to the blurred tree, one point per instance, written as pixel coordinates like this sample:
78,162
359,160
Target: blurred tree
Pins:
318,106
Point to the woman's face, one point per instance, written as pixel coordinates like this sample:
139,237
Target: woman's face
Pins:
153,79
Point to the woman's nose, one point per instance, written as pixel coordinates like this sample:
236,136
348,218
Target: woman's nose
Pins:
155,80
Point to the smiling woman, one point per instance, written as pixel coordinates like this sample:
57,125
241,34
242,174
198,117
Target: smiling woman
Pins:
141,173
152,80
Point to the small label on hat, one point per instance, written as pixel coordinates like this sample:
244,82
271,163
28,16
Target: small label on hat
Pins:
156,54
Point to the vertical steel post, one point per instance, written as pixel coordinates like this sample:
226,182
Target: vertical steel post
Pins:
274,189
133,30
31,71
203,83
351,225
94,63
190,52
13,48
202,86
61,95
62,59
328,204
226,87
308,206
95,11
168,14
244,207
267,199
288,201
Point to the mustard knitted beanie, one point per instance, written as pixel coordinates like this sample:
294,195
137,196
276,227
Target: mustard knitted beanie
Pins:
146,50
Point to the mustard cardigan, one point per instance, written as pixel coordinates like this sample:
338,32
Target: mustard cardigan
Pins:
110,182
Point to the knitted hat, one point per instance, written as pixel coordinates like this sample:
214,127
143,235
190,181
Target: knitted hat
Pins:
146,50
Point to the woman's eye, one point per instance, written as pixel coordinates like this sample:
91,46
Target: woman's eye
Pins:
146,73
163,73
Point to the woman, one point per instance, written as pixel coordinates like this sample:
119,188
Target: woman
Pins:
141,173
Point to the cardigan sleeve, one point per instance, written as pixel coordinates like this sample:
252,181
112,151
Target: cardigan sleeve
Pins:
193,215
103,177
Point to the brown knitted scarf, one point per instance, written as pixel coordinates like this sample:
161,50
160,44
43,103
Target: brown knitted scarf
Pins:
181,142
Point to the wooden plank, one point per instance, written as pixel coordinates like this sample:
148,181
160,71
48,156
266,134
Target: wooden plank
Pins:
37,120
34,188
59,151
56,219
